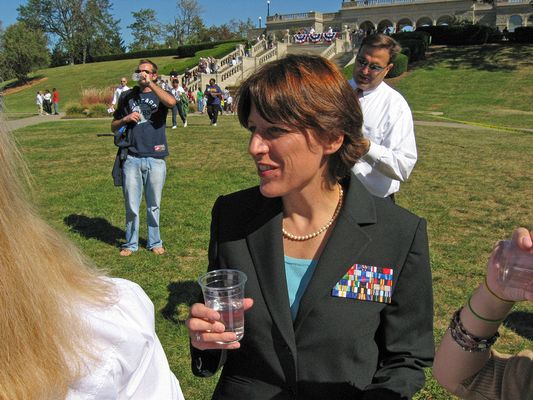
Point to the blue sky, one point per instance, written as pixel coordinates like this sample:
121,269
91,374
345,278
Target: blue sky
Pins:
215,12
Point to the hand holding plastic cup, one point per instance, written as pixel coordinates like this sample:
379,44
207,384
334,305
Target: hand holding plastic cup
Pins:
515,266
223,291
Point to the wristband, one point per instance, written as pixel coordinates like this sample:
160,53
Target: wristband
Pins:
487,320
494,294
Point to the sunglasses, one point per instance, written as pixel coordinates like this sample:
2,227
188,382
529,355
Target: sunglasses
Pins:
138,71
372,67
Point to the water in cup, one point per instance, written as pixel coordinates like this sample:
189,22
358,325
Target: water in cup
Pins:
223,291
515,266
231,314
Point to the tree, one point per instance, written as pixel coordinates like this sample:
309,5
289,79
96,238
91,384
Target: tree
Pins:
145,30
74,24
24,50
188,21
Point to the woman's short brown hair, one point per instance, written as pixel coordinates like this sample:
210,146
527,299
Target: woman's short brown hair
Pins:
308,93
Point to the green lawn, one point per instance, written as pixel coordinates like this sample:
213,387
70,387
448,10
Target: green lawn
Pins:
473,187
71,79
490,85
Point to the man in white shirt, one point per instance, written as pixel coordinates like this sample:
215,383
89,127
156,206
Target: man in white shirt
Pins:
387,120
118,91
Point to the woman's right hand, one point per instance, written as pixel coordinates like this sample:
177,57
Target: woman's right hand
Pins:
523,240
205,328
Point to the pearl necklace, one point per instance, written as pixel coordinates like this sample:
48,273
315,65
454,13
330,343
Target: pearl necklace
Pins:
303,238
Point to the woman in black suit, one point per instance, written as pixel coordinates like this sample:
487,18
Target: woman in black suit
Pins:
339,279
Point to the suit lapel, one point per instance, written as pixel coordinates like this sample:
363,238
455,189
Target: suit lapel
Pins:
266,248
346,243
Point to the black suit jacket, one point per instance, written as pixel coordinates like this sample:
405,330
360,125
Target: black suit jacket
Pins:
337,348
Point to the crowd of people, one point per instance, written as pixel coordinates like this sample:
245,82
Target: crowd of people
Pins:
338,301
45,101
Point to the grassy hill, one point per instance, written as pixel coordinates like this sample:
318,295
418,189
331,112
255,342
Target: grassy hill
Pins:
489,85
71,79
472,186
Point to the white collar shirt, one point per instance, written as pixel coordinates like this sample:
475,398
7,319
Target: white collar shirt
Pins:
388,124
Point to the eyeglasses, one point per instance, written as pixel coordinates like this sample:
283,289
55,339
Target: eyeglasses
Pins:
138,71
122,81
372,67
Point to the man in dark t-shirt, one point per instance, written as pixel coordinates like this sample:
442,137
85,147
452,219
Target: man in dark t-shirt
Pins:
213,94
142,113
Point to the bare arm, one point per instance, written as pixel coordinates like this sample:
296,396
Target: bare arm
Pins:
452,364
165,97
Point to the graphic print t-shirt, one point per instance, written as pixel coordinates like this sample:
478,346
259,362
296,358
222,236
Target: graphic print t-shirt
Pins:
149,138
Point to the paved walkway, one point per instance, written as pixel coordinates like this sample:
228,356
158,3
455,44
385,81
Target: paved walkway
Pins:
23,122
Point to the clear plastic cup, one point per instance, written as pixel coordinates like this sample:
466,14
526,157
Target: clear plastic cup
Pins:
223,291
515,266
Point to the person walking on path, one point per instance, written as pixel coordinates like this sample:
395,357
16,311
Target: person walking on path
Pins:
123,87
182,103
39,103
200,101
55,101
47,102
213,94
142,113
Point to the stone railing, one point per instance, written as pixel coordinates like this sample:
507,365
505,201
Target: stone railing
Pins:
267,56
259,46
506,2
225,61
236,69
330,51
291,17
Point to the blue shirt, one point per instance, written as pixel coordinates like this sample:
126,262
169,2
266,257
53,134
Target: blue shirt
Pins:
148,136
298,272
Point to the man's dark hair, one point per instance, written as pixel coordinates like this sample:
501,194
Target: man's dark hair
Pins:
381,41
153,64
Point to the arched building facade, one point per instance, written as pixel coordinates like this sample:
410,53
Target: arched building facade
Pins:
397,15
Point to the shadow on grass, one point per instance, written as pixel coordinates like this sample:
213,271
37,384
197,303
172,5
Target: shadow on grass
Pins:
521,323
489,57
97,228
180,294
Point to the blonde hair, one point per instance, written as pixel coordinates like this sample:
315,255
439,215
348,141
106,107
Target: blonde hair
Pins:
44,279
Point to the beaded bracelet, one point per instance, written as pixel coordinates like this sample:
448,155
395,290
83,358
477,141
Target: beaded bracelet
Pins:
466,340
487,320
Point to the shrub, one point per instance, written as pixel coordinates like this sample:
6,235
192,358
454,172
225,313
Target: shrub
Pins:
192,108
180,52
74,110
400,66
407,52
417,48
91,96
457,34
417,35
97,110
522,34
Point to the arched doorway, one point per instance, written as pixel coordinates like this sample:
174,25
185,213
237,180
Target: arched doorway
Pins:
444,20
386,26
367,26
424,21
514,22
404,25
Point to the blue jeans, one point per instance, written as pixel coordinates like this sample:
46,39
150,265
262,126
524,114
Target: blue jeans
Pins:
138,173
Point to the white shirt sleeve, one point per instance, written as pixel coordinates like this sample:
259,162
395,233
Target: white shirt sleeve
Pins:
395,155
131,362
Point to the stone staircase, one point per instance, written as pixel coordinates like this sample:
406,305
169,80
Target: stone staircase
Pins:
231,75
